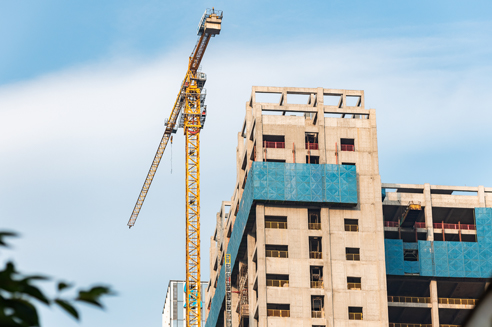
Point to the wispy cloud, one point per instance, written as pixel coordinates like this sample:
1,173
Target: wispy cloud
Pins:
76,145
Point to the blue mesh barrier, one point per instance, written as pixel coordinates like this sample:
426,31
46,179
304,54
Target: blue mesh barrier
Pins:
394,257
447,259
277,181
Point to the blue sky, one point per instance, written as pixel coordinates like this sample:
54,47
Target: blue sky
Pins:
85,88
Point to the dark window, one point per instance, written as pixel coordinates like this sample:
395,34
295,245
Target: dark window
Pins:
352,254
410,255
354,283
314,219
347,145
278,310
315,248
311,141
312,159
351,225
316,273
317,306
274,141
277,251
276,222
355,313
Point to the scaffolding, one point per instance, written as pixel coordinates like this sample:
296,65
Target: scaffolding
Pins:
243,303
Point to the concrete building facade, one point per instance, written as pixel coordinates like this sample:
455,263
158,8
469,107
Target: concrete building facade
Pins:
174,310
317,240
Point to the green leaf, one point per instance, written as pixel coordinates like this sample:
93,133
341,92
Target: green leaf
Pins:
36,293
65,305
5,235
23,311
63,285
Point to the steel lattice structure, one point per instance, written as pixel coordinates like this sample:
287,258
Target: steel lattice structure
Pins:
191,97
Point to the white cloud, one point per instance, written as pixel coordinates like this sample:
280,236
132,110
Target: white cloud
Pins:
76,145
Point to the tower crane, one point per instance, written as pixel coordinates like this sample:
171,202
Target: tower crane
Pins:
190,109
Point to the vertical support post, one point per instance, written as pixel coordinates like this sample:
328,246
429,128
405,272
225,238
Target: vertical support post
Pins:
443,234
192,128
434,303
459,229
428,212
293,152
261,265
336,151
399,229
264,151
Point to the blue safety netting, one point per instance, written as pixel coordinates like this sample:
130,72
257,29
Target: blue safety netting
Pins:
449,259
276,181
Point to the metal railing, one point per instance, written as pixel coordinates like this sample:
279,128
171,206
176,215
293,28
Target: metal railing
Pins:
316,226
443,300
450,325
355,315
419,224
317,284
354,286
317,314
392,324
353,256
274,145
278,313
390,224
277,254
312,146
315,255
409,299
277,283
276,224
351,228
455,226
348,147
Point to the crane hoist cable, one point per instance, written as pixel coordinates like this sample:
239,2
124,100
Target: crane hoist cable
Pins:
191,111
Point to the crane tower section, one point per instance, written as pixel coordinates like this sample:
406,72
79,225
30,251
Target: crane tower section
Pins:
189,112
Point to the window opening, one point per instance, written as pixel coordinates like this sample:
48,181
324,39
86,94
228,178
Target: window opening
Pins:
314,219
316,274
317,306
277,280
351,225
352,254
354,283
315,248
276,222
311,141
277,251
312,159
410,255
347,144
278,310
355,313
274,141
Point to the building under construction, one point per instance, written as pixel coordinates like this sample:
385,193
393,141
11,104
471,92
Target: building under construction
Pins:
315,238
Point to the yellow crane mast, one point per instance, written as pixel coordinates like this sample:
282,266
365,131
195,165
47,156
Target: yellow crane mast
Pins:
191,98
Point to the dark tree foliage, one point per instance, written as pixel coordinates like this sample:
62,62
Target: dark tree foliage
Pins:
19,294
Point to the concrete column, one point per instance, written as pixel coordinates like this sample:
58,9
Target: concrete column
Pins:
428,213
435,304
251,279
258,132
481,196
321,125
327,272
261,265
